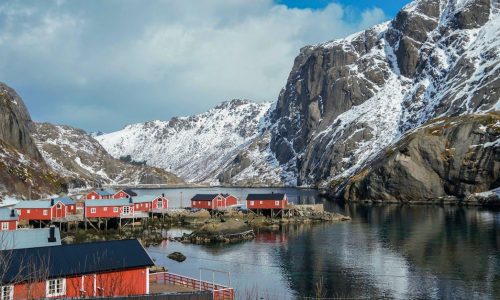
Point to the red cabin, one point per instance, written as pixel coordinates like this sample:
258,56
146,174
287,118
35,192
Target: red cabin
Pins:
126,193
109,208
41,210
8,219
213,201
99,269
159,204
100,194
267,201
70,204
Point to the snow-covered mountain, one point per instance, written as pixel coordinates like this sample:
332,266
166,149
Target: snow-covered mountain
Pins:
345,103
83,162
196,148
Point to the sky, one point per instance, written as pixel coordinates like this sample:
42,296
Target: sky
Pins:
100,65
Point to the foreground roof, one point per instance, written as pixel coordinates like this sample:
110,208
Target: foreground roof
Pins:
272,196
34,204
6,214
206,197
105,192
65,200
108,202
75,259
129,192
28,238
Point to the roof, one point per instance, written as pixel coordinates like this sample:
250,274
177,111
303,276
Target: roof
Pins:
65,200
129,192
5,214
143,199
272,196
204,197
105,192
33,204
28,238
76,259
108,202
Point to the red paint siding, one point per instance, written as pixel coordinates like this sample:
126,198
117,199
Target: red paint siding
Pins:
266,204
120,194
92,195
154,204
12,224
201,204
106,211
223,202
56,211
117,283
144,207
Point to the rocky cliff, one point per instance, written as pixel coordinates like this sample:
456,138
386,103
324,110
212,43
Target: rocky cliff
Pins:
83,162
23,172
456,157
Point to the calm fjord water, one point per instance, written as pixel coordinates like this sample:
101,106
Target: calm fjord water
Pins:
391,251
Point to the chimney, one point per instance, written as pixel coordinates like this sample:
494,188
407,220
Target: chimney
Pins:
130,200
12,213
51,202
163,195
127,196
52,234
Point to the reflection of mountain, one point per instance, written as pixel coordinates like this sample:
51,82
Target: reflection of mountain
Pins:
403,252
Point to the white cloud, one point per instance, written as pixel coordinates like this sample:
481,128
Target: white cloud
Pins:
155,59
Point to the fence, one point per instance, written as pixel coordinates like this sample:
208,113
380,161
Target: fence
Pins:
219,292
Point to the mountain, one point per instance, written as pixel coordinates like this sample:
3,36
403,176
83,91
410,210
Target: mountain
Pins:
345,105
23,172
83,162
199,147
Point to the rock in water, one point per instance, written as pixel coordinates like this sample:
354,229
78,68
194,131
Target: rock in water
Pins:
177,256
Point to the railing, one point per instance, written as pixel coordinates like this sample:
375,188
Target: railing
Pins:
220,292
137,214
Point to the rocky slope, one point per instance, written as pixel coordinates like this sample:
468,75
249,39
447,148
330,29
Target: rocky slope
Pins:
83,162
456,157
23,171
198,148
346,100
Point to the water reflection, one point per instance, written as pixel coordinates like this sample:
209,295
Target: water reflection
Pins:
390,251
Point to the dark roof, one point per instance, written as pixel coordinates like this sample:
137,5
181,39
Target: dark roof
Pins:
75,259
130,192
204,197
273,196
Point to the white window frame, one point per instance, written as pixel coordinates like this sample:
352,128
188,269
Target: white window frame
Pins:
115,209
105,208
261,202
159,204
59,283
45,212
251,203
147,205
128,210
92,197
277,203
7,292
137,205
19,211
93,210
5,225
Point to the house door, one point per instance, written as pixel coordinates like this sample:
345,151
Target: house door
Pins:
220,202
59,210
126,210
160,204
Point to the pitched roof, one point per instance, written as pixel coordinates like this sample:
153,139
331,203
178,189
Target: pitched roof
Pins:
33,204
261,197
76,259
28,238
6,214
108,202
65,200
143,199
204,197
129,192
105,192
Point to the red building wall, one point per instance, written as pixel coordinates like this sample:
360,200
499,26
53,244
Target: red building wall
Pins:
201,204
58,210
92,195
71,209
144,206
12,224
120,194
105,211
117,283
154,204
266,204
215,203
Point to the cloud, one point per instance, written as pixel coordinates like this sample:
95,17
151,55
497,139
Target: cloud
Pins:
140,60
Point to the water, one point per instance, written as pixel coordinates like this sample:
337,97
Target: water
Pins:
401,252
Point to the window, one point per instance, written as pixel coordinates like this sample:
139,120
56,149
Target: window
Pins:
28,211
277,203
251,203
6,292
260,202
137,205
56,287
105,209
147,204
19,211
92,210
45,212
160,204
126,210
92,197
115,209
5,226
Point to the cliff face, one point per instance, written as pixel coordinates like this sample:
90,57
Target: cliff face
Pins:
455,156
83,162
23,172
346,100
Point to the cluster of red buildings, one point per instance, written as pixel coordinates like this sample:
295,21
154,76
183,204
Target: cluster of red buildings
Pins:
254,202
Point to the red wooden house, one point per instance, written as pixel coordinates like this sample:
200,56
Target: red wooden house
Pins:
159,204
100,194
99,269
8,219
126,193
41,210
274,201
213,201
109,208
70,204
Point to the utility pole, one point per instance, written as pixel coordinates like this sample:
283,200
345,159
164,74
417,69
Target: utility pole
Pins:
181,200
